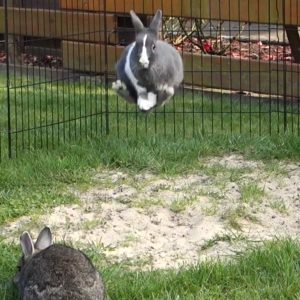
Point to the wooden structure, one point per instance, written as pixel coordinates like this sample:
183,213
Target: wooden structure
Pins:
90,38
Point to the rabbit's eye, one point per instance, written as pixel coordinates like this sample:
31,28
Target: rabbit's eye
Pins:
153,47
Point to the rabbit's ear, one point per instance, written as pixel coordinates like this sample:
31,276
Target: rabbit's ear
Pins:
156,22
136,22
26,244
44,239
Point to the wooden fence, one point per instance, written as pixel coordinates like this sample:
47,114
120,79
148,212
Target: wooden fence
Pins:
90,38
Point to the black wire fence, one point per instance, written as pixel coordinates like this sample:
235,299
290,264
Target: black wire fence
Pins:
241,61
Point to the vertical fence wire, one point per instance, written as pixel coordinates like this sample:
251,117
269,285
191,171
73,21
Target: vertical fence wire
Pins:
9,138
106,82
284,72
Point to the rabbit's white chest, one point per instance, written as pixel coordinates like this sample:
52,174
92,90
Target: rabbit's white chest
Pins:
139,89
146,100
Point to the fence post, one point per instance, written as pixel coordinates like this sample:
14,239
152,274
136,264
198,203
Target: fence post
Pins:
294,41
7,48
106,70
285,125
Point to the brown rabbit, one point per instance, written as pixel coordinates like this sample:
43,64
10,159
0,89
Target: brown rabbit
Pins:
53,271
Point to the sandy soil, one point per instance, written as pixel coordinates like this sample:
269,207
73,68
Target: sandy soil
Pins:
146,220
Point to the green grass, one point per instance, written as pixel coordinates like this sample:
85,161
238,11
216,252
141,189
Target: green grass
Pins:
180,205
38,180
229,238
279,206
34,180
234,215
172,141
268,272
46,115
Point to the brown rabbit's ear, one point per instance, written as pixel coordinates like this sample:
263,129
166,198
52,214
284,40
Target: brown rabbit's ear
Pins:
44,239
136,22
156,22
26,244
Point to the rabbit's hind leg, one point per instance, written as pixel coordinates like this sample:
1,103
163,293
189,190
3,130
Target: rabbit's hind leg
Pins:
168,90
164,94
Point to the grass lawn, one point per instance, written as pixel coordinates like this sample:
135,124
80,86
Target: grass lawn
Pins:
270,272
170,141
45,115
160,142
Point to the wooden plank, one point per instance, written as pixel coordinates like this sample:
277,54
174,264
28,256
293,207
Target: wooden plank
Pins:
200,70
255,11
88,5
89,57
15,42
292,12
44,4
68,25
2,20
243,75
42,51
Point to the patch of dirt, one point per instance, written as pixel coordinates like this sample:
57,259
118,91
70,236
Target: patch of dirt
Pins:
161,222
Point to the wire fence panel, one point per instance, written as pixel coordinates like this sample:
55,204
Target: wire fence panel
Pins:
57,62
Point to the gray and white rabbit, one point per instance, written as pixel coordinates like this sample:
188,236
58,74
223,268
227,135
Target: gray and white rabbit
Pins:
53,271
149,70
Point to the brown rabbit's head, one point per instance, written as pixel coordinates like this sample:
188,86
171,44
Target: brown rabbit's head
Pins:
29,249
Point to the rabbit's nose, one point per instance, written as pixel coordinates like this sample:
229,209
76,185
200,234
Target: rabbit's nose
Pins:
144,61
144,64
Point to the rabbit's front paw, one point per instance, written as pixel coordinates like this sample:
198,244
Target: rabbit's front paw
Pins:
118,85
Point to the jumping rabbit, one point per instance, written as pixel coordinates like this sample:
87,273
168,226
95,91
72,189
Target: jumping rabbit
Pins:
149,70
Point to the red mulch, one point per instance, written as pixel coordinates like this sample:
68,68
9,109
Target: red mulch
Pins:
2,57
239,50
44,61
48,61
